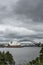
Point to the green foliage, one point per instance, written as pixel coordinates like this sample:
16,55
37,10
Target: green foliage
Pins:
6,58
41,51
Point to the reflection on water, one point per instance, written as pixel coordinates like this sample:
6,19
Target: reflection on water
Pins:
23,54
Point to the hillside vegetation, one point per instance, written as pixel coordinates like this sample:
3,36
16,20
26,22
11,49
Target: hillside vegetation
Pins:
6,59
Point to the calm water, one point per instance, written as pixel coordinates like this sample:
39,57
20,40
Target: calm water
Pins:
21,55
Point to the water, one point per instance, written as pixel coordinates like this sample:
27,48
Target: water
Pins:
25,54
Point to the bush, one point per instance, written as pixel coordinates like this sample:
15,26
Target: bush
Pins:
6,59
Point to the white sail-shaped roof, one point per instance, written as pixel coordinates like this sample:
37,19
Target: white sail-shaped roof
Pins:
14,43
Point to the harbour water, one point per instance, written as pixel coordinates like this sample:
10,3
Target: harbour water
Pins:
24,54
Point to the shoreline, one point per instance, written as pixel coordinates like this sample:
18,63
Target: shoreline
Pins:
17,46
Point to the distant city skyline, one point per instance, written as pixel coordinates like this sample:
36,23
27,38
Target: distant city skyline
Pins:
21,20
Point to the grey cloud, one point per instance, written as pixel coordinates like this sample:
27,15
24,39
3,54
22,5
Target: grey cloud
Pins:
31,9
13,36
26,14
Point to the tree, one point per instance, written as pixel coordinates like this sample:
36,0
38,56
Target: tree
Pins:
41,55
9,58
30,63
6,58
41,51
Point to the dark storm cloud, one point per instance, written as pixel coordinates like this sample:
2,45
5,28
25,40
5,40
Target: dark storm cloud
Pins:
21,20
31,9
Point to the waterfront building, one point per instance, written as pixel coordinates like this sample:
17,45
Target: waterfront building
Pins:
14,43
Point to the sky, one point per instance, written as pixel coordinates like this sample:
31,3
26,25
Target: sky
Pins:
21,20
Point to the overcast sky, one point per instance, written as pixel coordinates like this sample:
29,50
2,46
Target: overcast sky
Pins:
21,20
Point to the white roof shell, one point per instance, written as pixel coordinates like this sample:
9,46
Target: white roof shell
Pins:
14,43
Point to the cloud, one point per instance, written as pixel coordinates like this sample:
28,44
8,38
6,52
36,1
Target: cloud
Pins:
31,9
19,30
11,32
21,20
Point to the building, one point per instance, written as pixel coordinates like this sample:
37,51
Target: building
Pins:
3,44
14,43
